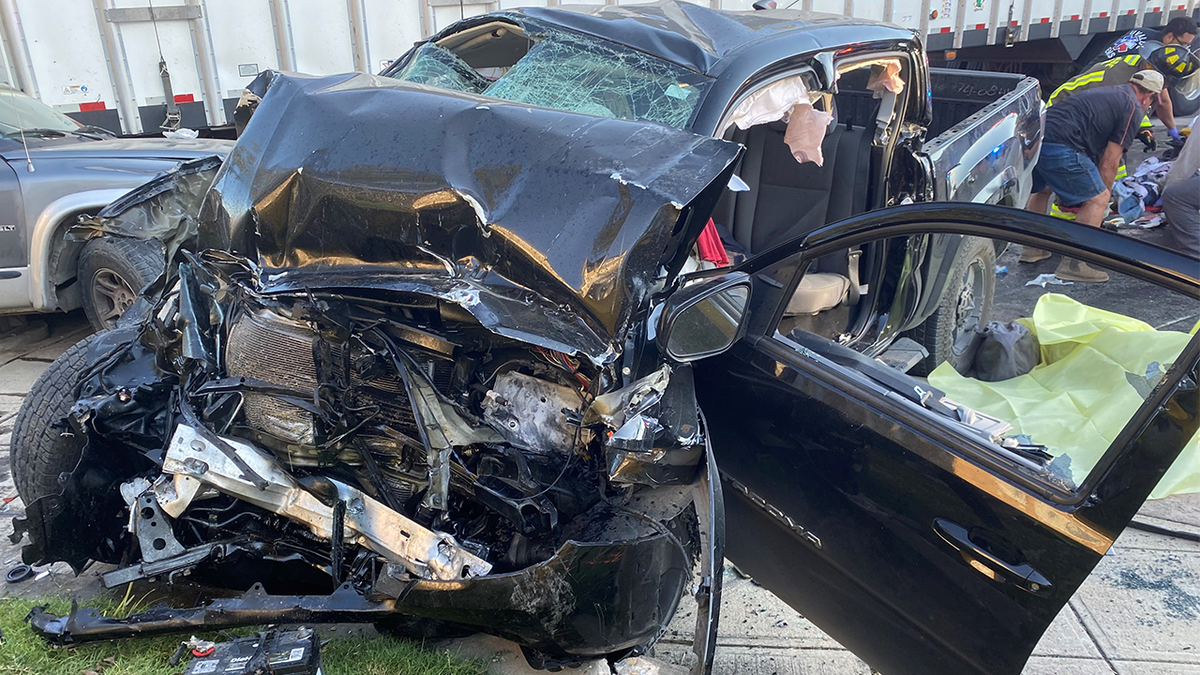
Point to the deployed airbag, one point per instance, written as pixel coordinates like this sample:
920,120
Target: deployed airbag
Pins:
787,99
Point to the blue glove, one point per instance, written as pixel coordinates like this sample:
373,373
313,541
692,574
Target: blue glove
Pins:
1174,134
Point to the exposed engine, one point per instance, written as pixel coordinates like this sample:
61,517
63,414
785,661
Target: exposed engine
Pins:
387,381
507,463
376,441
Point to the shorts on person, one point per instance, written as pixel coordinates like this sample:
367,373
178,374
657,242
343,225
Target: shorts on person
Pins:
1070,174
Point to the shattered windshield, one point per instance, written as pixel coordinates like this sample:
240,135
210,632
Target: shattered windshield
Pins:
440,67
575,73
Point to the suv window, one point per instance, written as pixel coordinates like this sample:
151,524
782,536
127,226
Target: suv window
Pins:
18,111
1067,366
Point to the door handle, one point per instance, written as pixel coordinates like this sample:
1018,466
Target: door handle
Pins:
984,561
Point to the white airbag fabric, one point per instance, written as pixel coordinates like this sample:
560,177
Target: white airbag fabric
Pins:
786,99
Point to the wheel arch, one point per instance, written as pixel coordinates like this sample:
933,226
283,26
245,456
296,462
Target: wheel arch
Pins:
47,245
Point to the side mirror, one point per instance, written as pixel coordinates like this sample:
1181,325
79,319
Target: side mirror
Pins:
706,319
764,4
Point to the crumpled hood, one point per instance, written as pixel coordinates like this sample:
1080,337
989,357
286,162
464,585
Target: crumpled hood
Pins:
549,227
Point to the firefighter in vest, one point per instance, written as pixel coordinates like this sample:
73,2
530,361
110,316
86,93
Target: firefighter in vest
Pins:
1174,62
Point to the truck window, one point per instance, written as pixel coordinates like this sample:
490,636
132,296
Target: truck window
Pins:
559,69
795,187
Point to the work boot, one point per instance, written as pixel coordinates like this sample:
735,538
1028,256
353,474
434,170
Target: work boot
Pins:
1075,270
1030,254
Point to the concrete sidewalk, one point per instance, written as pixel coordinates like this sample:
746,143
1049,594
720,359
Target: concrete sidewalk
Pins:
1138,614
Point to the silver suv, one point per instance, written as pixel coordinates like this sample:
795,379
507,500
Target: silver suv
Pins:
54,170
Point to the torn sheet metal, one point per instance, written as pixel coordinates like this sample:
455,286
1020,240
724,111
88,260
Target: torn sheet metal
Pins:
615,408
367,182
786,99
164,208
662,448
441,429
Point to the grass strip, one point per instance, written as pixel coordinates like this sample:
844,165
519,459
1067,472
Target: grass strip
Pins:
24,653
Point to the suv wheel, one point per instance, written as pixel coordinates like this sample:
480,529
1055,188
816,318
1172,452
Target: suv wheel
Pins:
966,304
40,450
113,270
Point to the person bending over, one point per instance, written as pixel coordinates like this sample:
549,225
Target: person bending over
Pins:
1086,136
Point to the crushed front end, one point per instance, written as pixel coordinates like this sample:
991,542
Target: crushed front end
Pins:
380,391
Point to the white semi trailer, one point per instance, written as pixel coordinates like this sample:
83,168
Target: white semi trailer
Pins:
135,66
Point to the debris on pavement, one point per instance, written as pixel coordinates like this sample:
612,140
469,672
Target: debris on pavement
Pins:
1147,221
643,665
1043,279
18,574
198,648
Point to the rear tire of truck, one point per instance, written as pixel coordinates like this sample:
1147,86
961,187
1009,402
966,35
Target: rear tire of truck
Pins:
967,302
113,270
1183,107
40,452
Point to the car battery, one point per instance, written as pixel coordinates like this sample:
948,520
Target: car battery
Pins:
275,652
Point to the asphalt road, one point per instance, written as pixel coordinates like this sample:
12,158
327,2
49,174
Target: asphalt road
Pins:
1162,310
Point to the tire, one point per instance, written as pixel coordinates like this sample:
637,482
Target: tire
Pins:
112,271
959,313
40,453
1183,107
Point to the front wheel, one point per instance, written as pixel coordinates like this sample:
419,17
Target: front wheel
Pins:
113,270
966,304
41,452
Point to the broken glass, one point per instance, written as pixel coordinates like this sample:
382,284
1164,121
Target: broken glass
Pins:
572,72
576,73
439,67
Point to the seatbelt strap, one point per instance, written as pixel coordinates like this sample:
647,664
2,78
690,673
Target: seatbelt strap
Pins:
852,274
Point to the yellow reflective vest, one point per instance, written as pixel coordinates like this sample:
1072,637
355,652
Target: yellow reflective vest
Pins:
1104,74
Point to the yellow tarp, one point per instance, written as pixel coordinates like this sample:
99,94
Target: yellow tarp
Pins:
1083,393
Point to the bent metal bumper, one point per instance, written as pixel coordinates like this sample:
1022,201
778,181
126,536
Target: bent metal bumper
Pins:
590,599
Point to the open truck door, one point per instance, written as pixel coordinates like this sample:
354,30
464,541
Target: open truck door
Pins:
922,534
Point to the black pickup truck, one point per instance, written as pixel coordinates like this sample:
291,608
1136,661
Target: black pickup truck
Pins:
448,353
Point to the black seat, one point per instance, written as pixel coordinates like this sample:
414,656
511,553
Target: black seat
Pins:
787,199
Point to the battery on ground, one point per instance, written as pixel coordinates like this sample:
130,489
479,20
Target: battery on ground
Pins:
275,652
